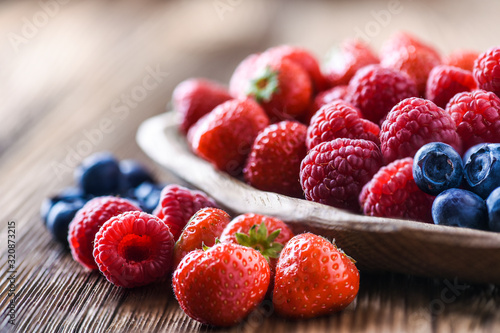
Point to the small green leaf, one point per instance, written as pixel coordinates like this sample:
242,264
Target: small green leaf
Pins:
264,85
273,235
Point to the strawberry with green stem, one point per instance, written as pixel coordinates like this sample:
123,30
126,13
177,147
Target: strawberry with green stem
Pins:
264,233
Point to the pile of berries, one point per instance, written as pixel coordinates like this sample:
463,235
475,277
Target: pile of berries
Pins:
98,175
221,268
467,188
344,135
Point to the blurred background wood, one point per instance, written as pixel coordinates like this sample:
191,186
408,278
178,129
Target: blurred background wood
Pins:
65,66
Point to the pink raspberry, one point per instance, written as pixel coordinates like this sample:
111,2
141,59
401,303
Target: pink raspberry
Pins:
134,249
87,222
477,116
178,204
334,172
411,124
339,119
446,81
393,193
487,70
375,90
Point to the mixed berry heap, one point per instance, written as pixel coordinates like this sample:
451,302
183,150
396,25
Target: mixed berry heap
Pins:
365,117
221,268
406,134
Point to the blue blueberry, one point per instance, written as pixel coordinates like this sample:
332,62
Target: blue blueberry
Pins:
471,151
99,174
70,194
460,208
482,170
148,195
133,174
493,204
437,167
59,217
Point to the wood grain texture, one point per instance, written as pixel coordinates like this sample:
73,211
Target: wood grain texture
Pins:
59,86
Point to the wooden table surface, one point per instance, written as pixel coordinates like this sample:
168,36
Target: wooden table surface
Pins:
65,67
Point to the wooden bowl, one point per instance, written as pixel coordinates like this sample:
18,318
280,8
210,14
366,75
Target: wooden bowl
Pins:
377,244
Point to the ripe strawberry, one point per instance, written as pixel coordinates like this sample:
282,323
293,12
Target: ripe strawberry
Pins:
324,97
313,278
203,228
87,222
265,234
477,116
339,119
304,59
347,60
194,98
282,87
444,82
411,124
274,162
334,172
403,39
134,249
220,286
374,90
487,70
393,193
463,59
415,62
224,136
178,204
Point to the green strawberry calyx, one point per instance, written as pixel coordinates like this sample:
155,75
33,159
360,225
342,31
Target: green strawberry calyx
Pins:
259,239
264,85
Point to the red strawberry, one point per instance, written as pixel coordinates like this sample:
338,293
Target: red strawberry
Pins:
487,70
334,172
347,60
393,193
222,285
463,59
339,119
477,116
324,97
403,39
266,234
274,162
177,204
134,249
313,278
304,59
411,124
282,87
374,90
416,62
224,136
87,222
446,81
194,98
203,228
